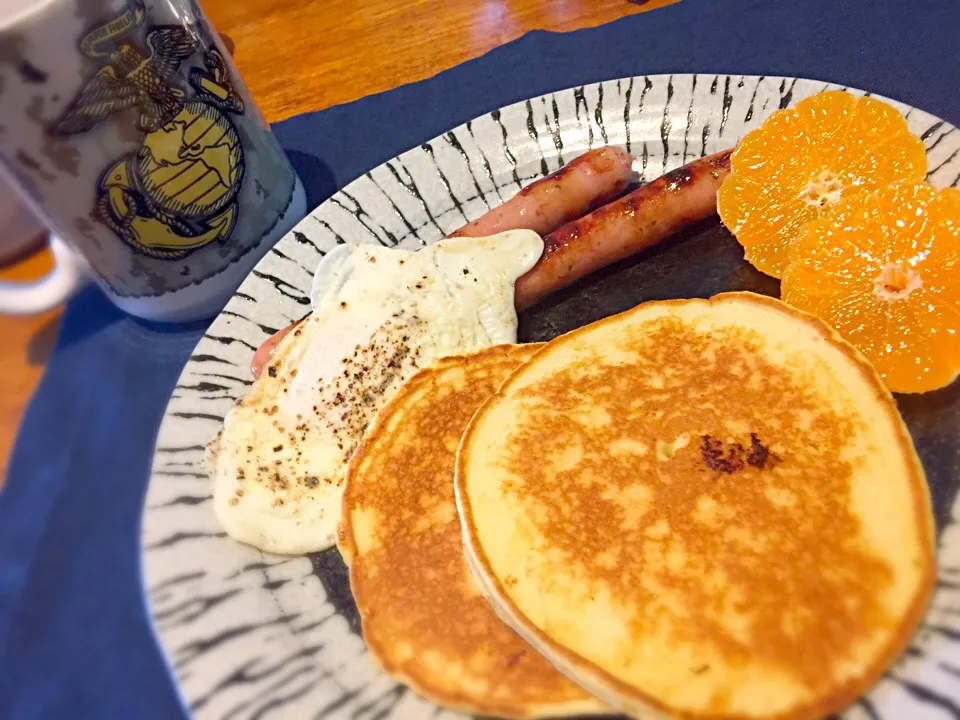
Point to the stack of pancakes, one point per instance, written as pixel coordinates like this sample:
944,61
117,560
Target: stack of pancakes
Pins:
695,508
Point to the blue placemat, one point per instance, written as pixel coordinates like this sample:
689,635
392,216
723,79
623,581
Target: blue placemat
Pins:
74,637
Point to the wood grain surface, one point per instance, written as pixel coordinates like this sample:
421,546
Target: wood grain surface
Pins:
303,55
300,55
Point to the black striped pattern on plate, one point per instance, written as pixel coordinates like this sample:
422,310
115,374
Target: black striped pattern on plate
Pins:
253,636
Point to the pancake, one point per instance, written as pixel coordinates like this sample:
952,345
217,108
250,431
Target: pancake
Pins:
423,617
701,508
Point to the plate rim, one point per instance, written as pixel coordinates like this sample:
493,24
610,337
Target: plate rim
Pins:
345,195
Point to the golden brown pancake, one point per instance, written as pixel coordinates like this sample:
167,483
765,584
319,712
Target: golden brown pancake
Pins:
705,509
423,617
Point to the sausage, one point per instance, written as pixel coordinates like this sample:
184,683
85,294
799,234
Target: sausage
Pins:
610,233
585,183
265,352
624,227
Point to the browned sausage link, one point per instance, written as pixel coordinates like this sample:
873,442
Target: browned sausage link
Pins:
610,233
265,352
624,227
585,183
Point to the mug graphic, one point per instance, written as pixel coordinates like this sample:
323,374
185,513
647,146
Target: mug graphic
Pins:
143,151
178,191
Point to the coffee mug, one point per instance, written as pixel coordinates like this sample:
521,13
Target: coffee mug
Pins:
126,127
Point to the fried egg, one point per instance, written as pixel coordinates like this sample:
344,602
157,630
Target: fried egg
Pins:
380,315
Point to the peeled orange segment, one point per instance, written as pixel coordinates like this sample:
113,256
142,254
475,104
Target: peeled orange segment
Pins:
884,270
804,160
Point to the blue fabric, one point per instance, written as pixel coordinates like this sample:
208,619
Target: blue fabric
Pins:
74,635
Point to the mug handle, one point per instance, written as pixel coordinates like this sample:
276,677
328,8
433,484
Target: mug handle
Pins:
69,274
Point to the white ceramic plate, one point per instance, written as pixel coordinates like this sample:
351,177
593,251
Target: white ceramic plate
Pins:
251,635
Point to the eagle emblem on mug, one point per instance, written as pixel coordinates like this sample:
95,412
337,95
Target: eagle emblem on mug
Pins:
177,192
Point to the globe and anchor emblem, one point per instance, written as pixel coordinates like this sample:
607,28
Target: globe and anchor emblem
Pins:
177,192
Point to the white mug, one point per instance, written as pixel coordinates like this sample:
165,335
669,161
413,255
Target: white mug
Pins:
20,231
126,126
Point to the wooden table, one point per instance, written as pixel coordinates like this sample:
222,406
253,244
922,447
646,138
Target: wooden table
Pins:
302,55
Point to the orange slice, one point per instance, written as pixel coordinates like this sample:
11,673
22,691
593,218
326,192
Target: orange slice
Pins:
884,270
803,160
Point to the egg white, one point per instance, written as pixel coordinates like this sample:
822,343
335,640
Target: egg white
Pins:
380,315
